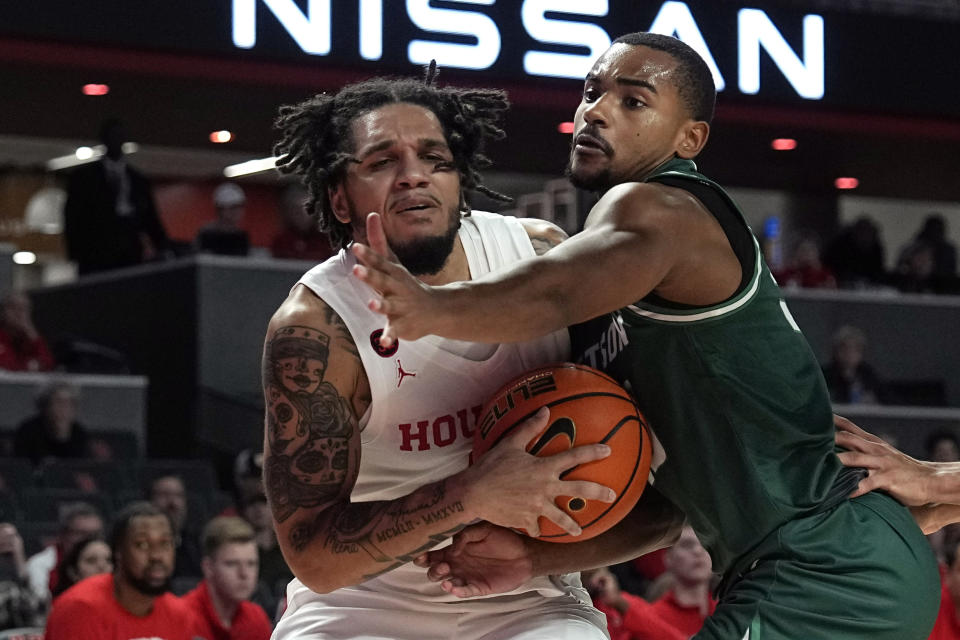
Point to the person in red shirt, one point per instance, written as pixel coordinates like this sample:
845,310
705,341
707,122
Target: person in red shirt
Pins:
22,348
947,626
629,617
221,600
133,601
677,615
301,238
688,603
805,269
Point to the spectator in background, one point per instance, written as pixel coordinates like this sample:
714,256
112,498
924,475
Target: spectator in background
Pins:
221,601
89,557
301,238
850,379
53,432
804,269
629,617
636,576
22,348
110,219
679,613
947,626
19,606
688,603
131,602
224,235
169,495
915,270
77,522
943,446
933,234
856,255
253,507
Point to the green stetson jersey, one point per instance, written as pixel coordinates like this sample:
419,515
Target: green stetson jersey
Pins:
732,392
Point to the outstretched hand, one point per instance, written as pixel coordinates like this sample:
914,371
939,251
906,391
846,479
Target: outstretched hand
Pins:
905,478
483,560
408,304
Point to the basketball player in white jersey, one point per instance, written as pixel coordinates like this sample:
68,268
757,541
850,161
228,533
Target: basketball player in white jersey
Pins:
366,447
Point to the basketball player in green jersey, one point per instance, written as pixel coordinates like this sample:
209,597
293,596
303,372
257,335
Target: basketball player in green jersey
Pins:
704,339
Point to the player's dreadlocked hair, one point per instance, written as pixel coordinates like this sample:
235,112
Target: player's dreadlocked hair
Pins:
315,140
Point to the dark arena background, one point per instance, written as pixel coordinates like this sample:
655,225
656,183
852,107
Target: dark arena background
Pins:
837,130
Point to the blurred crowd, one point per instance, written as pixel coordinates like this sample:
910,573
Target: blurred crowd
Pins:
856,259
111,221
162,558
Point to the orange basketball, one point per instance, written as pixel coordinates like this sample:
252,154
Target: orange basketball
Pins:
586,407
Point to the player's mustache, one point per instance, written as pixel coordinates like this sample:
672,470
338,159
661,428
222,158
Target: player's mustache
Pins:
590,135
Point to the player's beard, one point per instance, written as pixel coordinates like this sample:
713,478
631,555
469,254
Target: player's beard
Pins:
426,256
148,588
597,183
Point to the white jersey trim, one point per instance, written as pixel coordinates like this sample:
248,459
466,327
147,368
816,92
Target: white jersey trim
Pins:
715,312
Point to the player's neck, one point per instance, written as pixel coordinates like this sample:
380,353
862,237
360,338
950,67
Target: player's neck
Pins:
456,268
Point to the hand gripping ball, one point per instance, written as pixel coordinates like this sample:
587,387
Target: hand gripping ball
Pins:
586,407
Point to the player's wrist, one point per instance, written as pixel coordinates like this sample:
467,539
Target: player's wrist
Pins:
940,483
546,558
460,487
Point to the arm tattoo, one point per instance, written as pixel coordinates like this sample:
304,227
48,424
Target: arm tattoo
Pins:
362,526
309,424
313,458
334,320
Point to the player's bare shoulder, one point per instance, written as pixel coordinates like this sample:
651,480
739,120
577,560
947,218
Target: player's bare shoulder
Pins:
307,327
544,235
648,206
304,308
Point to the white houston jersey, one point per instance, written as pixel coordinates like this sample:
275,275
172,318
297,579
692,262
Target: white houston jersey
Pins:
426,395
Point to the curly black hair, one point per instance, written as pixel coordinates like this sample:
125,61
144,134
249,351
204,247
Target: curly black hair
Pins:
315,142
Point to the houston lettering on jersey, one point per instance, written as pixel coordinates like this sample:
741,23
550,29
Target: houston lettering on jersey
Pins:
442,431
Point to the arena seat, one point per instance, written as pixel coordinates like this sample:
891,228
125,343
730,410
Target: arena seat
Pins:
45,505
86,475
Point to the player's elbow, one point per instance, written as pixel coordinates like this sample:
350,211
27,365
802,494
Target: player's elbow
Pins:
560,310
318,583
307,560
313,573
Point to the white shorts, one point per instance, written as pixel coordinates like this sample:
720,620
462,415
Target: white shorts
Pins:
565,617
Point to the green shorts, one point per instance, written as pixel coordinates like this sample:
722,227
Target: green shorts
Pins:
862,569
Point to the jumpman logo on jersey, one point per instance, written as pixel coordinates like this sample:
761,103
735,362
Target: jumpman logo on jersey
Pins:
401,374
